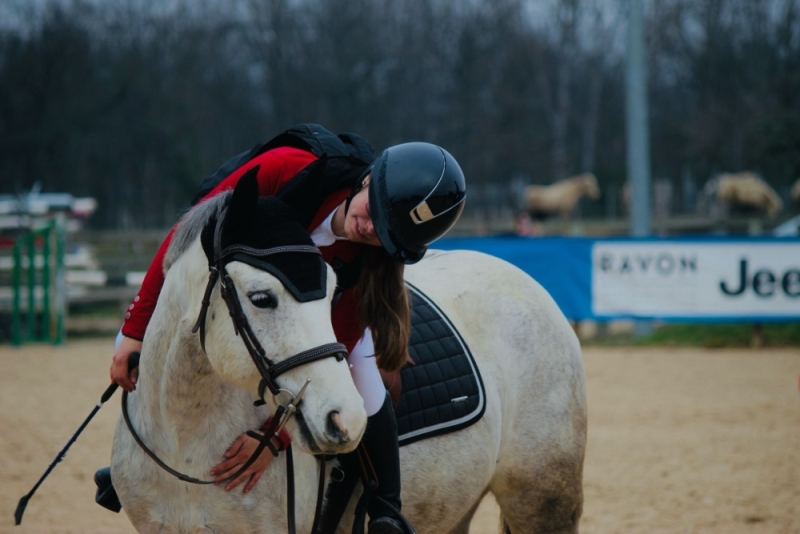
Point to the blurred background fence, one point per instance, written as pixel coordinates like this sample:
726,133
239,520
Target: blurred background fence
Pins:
131,103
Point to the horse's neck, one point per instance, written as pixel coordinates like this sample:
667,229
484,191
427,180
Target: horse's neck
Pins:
181,395
184,410
193,413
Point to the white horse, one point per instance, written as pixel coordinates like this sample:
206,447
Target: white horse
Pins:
562,196
527,449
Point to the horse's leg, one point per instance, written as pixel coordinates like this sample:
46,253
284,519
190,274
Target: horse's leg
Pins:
566,212
541,501
463,526
539,476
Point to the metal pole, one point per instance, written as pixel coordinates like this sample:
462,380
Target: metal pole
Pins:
637,131
16,308
60,281
30,242
47,233
637,123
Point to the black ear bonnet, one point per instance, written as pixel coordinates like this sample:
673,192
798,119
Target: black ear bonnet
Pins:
254,224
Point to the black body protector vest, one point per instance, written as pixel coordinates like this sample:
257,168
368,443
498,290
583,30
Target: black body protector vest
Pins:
342,160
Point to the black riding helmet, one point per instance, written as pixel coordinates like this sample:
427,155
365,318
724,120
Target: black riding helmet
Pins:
416,195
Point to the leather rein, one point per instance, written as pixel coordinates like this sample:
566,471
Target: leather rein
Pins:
286,401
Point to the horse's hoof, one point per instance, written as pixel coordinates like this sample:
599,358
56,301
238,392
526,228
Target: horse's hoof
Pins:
385,525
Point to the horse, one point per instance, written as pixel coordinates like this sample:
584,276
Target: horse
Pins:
744,190
562,196
193,399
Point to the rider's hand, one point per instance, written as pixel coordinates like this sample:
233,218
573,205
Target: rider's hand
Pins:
236,456
119,364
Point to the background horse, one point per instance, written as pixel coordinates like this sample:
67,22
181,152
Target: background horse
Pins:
562,196
744,190
527,449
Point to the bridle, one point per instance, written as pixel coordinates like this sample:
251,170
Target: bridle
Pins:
268,369
286,401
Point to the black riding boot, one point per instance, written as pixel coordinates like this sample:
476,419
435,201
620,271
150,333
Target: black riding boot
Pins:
380,440
106,495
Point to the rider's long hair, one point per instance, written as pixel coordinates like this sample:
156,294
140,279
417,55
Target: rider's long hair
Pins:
384,307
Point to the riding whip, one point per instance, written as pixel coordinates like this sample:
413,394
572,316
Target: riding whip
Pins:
133,362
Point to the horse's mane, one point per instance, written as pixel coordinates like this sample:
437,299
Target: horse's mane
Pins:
192,223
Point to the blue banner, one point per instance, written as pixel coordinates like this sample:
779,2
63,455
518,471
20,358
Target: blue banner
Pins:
703,279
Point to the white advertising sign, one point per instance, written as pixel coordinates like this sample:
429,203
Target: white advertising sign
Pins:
696,279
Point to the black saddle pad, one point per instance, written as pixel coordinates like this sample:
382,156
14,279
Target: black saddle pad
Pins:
443,392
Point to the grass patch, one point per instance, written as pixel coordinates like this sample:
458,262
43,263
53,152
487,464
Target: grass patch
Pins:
722,335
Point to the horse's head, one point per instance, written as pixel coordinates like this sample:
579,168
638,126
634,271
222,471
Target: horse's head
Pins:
710,189
590,186
275,286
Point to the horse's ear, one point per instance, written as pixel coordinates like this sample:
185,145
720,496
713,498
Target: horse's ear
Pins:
244,200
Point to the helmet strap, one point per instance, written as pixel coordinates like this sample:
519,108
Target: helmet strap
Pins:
358,186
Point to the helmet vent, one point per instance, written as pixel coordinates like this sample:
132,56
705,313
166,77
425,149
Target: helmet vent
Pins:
422,213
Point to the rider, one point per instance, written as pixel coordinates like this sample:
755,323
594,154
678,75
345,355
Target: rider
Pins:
408,197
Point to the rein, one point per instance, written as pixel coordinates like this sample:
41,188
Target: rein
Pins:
267,368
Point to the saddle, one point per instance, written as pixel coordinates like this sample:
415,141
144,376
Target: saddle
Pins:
443,391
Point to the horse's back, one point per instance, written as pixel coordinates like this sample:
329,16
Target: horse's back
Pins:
749,189
530,361
561,196
514,328
491,301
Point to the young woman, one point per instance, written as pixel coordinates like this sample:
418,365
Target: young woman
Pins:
409,196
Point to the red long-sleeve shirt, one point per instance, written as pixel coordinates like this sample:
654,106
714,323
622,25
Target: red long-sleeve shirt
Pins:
277,167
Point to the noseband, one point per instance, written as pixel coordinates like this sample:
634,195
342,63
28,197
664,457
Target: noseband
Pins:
269,370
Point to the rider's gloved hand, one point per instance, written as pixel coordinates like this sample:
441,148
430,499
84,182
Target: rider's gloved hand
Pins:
119,364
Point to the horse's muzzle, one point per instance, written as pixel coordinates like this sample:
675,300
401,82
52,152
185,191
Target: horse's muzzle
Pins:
338,433
335,429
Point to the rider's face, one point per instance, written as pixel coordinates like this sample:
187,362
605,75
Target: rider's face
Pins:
358,221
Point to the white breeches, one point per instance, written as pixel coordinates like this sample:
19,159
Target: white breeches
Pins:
364,370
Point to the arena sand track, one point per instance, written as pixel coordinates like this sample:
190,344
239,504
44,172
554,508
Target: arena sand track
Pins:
680,441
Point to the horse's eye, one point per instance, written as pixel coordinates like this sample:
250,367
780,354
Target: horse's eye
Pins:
263,299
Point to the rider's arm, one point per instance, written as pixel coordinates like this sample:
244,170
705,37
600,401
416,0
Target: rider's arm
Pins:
136,319
344,318
141,309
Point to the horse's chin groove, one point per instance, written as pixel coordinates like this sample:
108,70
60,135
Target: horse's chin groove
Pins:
305,432
311,442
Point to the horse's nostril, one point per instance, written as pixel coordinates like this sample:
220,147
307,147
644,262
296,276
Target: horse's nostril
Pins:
334,426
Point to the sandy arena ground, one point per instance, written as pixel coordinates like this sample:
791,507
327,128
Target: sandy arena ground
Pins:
680,441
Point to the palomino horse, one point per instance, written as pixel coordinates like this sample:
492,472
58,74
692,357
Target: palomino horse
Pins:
562,196
744,190
191,403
